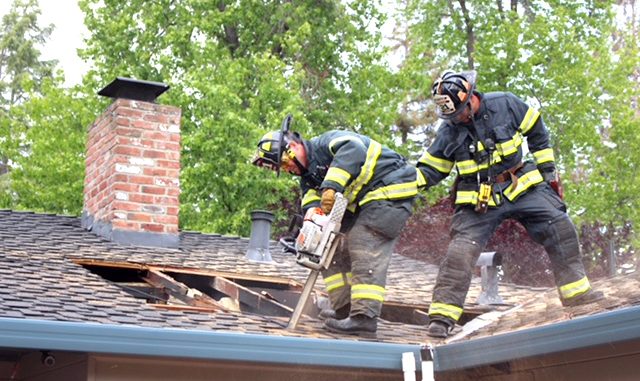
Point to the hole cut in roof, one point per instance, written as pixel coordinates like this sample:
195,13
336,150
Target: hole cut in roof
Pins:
211,291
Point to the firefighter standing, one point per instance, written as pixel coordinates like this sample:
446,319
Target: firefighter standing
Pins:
380,186
482,136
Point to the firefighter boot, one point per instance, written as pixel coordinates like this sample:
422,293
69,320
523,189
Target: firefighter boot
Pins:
586,298
353,325
438,329
340,313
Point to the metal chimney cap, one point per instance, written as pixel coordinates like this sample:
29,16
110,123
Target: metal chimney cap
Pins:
134,89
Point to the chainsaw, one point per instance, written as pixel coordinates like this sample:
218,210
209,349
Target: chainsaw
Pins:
314,247
316,241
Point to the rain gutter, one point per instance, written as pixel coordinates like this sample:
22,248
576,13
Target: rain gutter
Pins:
588,331
200,344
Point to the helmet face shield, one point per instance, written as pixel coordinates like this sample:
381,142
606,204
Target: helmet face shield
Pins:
452,93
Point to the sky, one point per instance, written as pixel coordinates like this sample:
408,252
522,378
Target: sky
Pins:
66,38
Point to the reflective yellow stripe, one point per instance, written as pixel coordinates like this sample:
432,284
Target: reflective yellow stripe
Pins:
337,140
576,288
510,146
448,310
442,165
309,197
420,179
267,145
529,120
334,281
391,192
525,182
367,291
338,175
543,156
366,172
468,167
471,197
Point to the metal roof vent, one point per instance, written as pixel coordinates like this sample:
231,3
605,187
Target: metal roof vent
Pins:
258,250
134,89
489,262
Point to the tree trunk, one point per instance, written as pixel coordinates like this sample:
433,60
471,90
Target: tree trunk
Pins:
471,39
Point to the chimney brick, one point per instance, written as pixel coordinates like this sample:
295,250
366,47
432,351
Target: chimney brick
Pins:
132,180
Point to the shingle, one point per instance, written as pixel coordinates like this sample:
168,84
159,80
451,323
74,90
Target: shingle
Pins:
38,279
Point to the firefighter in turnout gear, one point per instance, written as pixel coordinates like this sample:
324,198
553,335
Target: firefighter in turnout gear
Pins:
380,186
481,135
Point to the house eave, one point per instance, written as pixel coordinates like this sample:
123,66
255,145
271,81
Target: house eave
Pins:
603,328
200,344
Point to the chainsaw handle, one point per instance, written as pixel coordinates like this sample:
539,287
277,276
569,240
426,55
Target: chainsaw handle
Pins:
288,245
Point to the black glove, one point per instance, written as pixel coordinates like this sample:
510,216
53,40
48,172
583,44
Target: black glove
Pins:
552,178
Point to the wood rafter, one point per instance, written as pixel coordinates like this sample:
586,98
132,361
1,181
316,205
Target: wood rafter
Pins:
261,302
180,291
191,271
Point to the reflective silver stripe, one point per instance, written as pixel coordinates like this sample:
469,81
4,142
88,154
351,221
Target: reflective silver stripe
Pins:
334,281
366,172
337,175
391,192
309,197
576,288
448,310
525,182
510,146
529,120
339,139
420,179
442,165
471,197
467,167
543,156
367,291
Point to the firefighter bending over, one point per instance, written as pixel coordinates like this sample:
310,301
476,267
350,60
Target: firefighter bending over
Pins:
482,136
380,186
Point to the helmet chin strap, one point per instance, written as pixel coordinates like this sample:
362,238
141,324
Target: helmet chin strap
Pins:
292,157
301,167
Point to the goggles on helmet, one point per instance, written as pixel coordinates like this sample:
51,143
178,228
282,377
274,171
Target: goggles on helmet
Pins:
452,93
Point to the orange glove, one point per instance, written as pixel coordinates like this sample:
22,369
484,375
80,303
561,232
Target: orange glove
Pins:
328,198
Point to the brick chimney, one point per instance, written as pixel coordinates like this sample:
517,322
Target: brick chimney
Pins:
131,184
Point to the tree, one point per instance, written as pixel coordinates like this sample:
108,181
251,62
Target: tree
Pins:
48,165
20,67
574,61
236,69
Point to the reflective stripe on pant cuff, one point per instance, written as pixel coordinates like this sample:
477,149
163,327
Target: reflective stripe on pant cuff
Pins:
574,289
446,310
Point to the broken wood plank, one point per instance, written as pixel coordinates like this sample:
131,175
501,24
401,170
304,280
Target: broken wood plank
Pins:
261,303
172,307
180,291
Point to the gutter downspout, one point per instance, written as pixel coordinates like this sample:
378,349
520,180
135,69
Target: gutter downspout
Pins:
426,353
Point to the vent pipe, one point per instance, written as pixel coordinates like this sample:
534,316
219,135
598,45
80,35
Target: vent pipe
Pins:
489,262
258,250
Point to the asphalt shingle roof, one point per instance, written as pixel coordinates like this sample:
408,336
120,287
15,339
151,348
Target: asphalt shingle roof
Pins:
40,280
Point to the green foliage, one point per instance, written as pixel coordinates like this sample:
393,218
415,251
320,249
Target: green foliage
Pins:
47,151
558,56
236,69
20,61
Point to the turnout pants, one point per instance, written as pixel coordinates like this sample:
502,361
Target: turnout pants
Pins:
358,272
544,216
